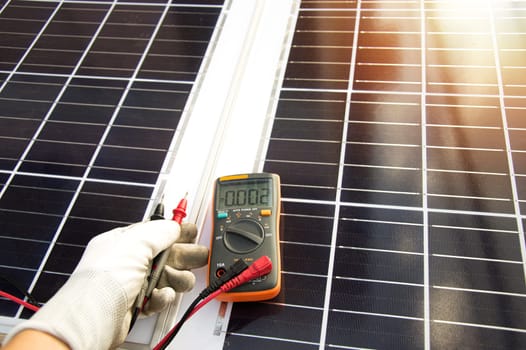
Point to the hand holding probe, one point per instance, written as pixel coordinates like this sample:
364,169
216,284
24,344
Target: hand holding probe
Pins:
159,261
179,213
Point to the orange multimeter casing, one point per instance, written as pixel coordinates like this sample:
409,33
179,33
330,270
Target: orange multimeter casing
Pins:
246,211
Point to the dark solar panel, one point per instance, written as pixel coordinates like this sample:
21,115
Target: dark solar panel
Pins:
399,137
91,95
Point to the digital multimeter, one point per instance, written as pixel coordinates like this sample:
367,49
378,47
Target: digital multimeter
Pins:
246,226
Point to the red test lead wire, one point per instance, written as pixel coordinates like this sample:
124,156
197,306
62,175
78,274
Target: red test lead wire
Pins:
19,301
260,267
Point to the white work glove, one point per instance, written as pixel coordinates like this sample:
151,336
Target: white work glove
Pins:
176,277
94,307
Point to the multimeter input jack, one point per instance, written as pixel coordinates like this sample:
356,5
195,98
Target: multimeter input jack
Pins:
220,272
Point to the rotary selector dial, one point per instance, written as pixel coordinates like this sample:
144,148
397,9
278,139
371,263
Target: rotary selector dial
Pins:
244,236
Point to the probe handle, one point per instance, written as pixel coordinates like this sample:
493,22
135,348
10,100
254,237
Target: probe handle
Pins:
160,260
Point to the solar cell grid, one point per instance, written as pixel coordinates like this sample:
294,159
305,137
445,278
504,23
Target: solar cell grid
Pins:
398,134
91,95
423,167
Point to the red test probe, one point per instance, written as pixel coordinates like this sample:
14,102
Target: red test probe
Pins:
160,260
179,213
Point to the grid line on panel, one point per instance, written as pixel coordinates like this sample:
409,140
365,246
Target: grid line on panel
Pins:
379,281
380,207
478,325
481,229
295,306
380,250
5,6
74,178
511,166
376,314
301,274
482,291
339,183
100,77
479,259
425,216
18,268
272,338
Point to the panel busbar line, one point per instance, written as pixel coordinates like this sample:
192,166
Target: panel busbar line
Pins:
399,138
91,96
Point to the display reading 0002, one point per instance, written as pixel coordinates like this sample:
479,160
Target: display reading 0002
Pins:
241,195
240,198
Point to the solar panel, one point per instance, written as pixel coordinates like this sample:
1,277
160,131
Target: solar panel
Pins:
398,134
399,137
91,96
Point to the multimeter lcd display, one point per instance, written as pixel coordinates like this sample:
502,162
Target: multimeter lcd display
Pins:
245,194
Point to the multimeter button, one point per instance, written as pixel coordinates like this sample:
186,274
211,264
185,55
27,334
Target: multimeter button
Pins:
265,212
222,215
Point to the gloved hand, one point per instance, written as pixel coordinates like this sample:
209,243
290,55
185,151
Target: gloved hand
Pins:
176,277
94,307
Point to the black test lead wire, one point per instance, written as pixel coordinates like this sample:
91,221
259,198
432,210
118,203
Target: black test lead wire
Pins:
260,267
30,299
234,270
142,298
